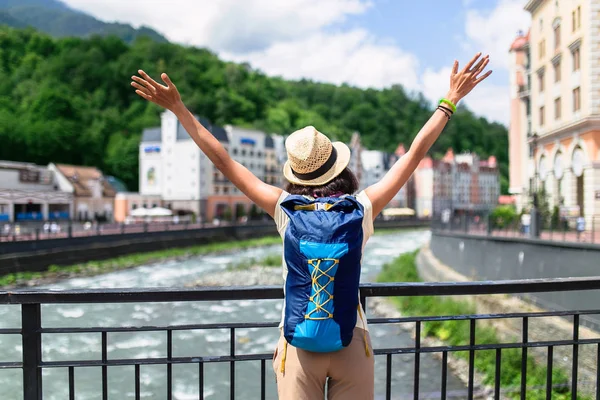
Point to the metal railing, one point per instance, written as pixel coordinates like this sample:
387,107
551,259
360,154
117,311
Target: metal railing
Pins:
70,230
31,331
561,232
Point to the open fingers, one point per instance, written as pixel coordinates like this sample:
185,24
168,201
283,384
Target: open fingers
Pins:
477,68
144,83
144,95
483,77
149,79
167,80
141,88
482,67
470,64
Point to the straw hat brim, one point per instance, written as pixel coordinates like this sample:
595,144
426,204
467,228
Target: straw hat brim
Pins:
343,158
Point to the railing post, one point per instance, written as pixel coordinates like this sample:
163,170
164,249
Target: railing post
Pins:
122,228
31,323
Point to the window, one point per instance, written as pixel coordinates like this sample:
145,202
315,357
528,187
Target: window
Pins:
576,99
243,152
574,21
557,108
542,49
225,190
234,151
251,153
542,116
541,24
216,190
576,59
557,38
578,17
557,71
541,81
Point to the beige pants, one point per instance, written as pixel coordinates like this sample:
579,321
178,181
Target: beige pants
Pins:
303,374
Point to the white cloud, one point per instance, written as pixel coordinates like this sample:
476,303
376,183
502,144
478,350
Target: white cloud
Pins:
494,31
353,57
227,25
307,39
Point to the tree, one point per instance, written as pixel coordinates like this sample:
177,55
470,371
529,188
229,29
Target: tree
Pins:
68,100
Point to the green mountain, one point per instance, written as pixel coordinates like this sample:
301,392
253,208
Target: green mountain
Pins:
57,19
69,101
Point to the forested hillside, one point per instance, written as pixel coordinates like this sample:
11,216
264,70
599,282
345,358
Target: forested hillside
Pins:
69,100
55,18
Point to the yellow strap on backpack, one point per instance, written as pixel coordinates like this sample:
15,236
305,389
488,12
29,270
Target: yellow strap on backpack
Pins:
364,331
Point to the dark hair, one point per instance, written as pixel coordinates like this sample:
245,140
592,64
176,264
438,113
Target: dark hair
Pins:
345,183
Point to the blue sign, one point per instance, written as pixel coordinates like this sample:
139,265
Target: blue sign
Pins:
249,141
59,215
4,217
152,149
31,216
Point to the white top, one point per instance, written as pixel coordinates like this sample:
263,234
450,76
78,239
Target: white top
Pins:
282,220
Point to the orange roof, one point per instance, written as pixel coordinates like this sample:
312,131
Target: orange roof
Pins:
80,178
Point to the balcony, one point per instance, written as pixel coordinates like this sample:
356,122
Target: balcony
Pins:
524,91
33,361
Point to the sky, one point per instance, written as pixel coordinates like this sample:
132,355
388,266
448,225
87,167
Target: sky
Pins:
365,43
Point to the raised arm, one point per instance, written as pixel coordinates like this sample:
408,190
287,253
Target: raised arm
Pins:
264,195
461,83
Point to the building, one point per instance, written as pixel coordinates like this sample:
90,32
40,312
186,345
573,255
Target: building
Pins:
30,192
423,178
461,183
93,195
559,151
126,202
174,168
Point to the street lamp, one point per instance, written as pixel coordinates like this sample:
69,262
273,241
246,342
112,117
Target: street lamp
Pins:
535,217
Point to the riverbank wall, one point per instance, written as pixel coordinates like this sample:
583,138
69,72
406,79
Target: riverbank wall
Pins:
38,255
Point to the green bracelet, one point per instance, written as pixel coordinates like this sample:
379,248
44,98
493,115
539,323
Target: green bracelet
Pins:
451,104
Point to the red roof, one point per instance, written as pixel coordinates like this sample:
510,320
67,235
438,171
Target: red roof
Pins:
449,157
400,150
519,42
506,200
427,162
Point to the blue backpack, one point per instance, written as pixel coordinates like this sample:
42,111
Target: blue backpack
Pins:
322,249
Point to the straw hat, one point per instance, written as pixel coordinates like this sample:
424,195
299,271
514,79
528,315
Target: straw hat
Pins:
312,159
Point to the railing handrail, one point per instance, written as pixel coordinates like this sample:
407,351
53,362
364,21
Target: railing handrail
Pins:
158,295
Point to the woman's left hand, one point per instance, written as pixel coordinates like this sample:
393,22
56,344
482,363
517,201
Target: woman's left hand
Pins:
461,83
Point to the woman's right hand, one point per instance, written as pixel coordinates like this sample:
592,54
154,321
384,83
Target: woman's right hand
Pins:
165,96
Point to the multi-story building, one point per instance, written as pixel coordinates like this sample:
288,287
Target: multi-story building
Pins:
460,184
174,168
94,196
556,86
30,192
423,178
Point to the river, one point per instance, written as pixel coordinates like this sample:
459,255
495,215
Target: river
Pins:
380,249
